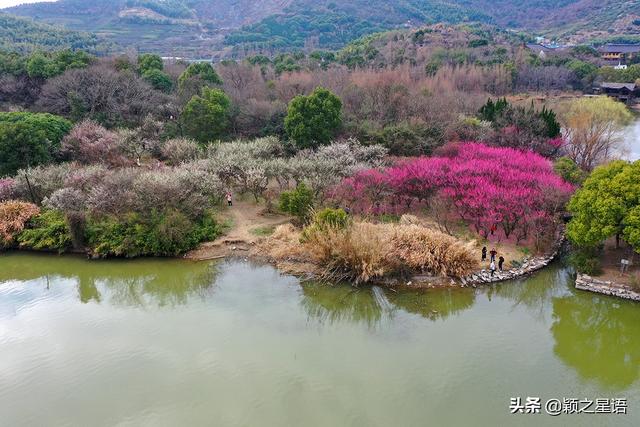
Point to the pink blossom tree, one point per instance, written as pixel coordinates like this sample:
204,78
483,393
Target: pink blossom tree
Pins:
487,187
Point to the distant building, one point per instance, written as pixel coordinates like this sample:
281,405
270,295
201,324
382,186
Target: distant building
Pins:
618,52
625,92
542,50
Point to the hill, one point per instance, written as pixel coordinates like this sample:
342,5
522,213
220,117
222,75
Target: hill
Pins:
25,35
171,27
207,28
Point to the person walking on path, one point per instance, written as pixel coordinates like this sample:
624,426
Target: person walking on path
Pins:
229,199
492,267
484,253
500,262
493,254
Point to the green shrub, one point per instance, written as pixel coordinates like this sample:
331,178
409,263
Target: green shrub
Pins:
297,202
336,218
389,218
569,170
47,231
326,220
586,261
167,233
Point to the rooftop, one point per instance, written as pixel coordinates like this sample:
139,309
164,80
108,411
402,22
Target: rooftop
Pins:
618,86
619,48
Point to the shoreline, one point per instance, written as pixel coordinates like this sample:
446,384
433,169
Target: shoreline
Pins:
307,271
584,282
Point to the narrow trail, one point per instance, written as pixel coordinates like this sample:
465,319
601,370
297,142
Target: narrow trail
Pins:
245,216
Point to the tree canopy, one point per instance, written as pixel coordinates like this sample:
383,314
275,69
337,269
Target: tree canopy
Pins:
313,120
206,117
148,62
608,204
202,70
592,128
159,80
29,139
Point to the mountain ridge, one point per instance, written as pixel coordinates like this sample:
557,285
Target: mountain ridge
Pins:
234,27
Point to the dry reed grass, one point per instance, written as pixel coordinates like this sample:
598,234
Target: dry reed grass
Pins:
364,252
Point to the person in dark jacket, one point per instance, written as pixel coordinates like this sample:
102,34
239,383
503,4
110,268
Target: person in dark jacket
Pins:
500,262
484,253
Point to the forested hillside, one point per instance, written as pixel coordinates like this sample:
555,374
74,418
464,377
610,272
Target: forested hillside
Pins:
222,28
25,35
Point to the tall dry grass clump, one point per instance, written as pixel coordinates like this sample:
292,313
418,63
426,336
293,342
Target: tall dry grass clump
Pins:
284,244
422,248
363,251
358,252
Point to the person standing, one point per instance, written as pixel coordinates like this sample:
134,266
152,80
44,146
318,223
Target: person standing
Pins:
484,253
500,262
229,199
493,254
492,267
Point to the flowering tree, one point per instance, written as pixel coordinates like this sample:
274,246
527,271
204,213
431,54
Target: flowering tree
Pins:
88,142
485,186
6,188
366,191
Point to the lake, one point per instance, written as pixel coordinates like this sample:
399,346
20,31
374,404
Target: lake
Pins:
631,137
162,342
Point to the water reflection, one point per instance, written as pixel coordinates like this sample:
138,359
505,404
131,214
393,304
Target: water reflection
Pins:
342,303
163,282
631,138
598,337
534,292
434,304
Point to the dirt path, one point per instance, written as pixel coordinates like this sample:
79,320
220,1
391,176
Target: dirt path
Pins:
245,216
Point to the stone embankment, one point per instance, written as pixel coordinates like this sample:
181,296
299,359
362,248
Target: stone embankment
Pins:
528,266
588,283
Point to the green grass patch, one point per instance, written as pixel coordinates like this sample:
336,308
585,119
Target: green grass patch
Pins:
264,231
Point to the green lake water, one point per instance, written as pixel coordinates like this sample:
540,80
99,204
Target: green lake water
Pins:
176,343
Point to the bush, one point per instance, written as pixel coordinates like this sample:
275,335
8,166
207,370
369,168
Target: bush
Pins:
297,202
586,261
13,218
569,171
336,218
160,234
47,231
